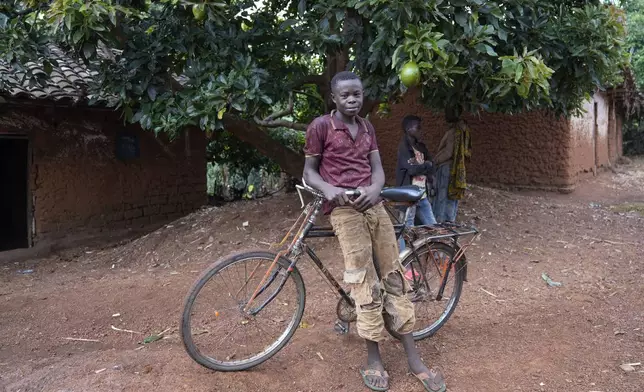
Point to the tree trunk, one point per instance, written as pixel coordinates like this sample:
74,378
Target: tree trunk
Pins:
291,162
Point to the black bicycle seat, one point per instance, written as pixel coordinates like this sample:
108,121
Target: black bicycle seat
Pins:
407,193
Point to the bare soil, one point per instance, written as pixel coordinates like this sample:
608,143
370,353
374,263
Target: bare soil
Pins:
510,332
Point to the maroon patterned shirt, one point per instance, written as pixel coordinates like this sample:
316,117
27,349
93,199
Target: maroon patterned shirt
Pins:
345,162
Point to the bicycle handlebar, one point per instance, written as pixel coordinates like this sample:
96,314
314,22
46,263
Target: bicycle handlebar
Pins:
352,192
317,193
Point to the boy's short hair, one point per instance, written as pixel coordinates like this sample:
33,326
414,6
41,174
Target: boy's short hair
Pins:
409,120
342,76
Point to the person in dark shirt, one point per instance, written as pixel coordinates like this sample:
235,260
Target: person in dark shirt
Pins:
342,153
415,168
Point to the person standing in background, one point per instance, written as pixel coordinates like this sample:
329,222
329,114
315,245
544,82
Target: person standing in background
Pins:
454,150
415,167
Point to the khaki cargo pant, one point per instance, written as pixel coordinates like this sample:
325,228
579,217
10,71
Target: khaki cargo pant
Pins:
368,238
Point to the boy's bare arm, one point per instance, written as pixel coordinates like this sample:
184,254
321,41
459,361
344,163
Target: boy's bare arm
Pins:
445,148
370,195
377,172
314,180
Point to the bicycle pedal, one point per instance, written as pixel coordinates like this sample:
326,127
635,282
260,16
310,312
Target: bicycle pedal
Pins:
341,327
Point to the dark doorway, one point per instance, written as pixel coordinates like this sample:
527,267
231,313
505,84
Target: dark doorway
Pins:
596,136
14,178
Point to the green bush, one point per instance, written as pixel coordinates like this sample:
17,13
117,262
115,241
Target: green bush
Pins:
634,137
237,170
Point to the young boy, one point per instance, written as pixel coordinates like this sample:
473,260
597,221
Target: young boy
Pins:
341,153
414,168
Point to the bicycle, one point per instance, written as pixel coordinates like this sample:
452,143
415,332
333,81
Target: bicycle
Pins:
282,276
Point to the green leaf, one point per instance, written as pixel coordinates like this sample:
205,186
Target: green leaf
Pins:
531,71
518,73
504,91
78,35
490,50
461,19
237,106
68,21
396,56
152,93
137,117
48,67
152,339
502,34
135,64
3,20
301,8
409,12
288,23
324,24
88,50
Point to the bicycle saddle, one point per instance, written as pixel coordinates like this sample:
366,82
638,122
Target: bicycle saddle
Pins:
407,193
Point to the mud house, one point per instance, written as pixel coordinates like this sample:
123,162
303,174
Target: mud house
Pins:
67,167
528,150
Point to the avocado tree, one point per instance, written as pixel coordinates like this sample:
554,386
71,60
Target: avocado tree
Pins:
634,127
245,66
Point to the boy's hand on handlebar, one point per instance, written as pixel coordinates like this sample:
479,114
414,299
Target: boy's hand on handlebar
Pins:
368,198
337,195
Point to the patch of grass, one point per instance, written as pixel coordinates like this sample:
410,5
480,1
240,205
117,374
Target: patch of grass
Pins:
629,207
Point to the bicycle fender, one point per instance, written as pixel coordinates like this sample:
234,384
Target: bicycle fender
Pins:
462,263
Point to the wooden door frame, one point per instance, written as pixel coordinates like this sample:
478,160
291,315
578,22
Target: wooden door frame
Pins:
596,135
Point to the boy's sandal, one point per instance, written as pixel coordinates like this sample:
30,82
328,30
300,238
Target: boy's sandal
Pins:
375,373
433,382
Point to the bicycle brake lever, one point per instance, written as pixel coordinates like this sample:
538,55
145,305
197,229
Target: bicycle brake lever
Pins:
299,189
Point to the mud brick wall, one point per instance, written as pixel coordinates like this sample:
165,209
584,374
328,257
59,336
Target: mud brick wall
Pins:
589,138
77,182
526,150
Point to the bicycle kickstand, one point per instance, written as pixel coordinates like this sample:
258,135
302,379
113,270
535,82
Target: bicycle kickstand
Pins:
341,327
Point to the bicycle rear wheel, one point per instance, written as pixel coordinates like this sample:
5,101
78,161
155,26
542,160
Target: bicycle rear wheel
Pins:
220,334
430,260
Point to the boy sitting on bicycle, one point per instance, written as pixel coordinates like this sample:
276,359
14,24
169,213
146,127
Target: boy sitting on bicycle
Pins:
342,153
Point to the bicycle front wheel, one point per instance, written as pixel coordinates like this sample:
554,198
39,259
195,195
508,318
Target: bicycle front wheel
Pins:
429,264
222,331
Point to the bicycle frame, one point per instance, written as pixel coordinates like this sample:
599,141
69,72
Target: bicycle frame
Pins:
307,229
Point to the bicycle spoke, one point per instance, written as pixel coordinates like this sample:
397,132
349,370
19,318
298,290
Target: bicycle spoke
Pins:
235,338
429,262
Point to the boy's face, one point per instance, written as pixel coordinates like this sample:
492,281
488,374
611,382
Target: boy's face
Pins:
413,129
347,96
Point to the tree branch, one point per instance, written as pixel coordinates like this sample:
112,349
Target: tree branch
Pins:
309,95
368,106
282,113
318,80
281,123
290,161
27,10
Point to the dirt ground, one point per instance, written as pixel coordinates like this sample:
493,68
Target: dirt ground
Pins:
510,332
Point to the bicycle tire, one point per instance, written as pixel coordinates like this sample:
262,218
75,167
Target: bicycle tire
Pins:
431,329
283,339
